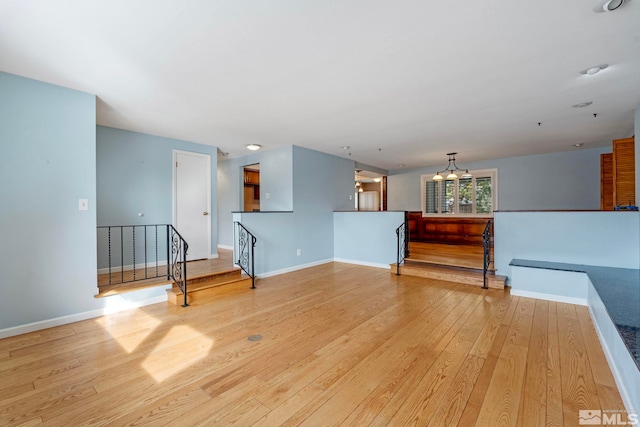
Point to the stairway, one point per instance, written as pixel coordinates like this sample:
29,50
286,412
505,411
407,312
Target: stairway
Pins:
202,286
451,263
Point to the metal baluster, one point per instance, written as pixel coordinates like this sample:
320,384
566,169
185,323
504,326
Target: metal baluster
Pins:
168,254
109,232
184,272
156,226
133,234
145,251
253,274
121,255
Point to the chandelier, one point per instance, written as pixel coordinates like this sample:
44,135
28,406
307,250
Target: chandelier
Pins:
451,170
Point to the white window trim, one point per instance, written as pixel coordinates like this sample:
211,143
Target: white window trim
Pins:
481,172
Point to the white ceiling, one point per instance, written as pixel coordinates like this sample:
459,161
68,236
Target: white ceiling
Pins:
399,82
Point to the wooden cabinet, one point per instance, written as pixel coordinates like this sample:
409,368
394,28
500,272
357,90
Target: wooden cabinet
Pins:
618,175
251,177
606,182
624,173
251,190
450,230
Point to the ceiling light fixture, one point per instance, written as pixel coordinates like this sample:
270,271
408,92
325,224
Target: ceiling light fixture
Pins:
582,104
592,71
578,145
608,5
452,168
254,147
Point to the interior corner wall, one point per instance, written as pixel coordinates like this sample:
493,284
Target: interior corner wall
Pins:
321,184
48,258
135,176
276,178
568,180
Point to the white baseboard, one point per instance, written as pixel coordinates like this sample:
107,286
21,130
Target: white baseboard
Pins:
294,268
230,248
113,303
116,269
548,297
364,263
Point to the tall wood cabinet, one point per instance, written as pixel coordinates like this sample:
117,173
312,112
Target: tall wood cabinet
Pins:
624,172
618,175
606,182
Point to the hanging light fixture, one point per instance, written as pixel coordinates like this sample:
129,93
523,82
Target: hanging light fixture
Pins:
451,170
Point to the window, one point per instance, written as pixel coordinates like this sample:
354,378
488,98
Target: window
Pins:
476,196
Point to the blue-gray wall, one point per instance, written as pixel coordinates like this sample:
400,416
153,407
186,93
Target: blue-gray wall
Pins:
367,238
322,184
135,175
567,180
609,239
48,162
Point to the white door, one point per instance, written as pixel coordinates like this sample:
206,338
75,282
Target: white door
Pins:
192,201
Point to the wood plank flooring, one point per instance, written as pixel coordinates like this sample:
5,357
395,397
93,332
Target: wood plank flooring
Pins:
341,345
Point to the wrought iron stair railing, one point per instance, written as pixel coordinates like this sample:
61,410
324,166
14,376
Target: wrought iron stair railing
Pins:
402,234
486,250
244,250
130,253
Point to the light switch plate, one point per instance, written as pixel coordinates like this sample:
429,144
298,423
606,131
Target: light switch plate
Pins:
83,204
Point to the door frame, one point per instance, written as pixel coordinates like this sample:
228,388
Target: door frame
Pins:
174,190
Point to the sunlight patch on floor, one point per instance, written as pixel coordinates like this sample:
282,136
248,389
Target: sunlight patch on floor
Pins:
179,349
139,322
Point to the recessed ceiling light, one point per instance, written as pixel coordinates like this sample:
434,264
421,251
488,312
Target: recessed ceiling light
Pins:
401,165
591,71
608,5
346,147
582,104
254,147
578,145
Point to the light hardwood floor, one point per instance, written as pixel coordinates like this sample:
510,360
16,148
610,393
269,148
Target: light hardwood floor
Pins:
342,345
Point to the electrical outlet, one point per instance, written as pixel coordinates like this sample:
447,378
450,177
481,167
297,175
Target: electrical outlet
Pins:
298,252
267,195
83,204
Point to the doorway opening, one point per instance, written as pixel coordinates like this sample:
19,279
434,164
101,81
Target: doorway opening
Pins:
370,191
251,188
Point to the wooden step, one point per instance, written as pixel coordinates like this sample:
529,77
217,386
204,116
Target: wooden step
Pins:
453,263
206,279
450,274
201,287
